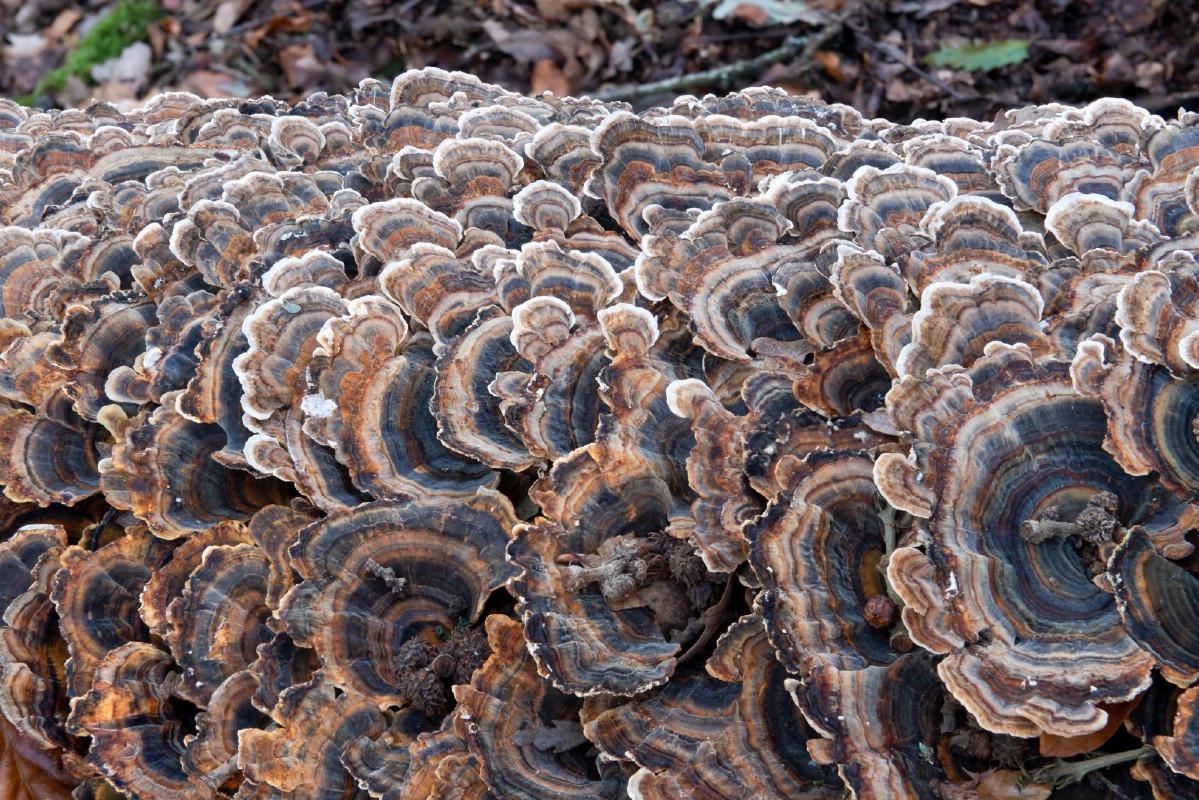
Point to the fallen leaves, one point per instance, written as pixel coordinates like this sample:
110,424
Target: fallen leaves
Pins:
29,773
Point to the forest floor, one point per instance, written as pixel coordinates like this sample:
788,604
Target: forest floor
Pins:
900,59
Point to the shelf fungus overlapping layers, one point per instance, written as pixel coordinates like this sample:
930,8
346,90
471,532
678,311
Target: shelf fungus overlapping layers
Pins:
524,732
392,591
817,556
437,441
1003,454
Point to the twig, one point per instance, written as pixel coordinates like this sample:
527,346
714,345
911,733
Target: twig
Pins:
1167,102
895,54
1063,773
796,46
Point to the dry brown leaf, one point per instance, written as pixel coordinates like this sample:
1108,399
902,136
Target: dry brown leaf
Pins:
548,77
831,62
210,84
753,14
1005,784
1065,747
291,18
63,23
29,773
301,68
227,14
1001,784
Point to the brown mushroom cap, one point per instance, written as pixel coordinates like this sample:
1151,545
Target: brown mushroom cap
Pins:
816,554
521,729
1157,599
762,748
96,594
374,389
32,677
219,618
163,471
385,573
956,321
43,461
302,757
137,733
1149,412
168,581
1053,647
211,755
442,766
882,722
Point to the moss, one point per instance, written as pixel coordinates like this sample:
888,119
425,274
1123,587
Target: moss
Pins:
125,24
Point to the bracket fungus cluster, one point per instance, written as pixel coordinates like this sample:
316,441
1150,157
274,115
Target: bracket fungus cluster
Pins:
442,442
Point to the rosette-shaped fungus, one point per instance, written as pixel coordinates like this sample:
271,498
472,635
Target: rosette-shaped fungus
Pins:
1157,599
520,728
969,236
956,321
32,681
1038,173
442,766
44,461
656,170
1160,192
96,594
211,754
227,238
372,407
219,619
1181,748
883,725
608,594
758,747
137,730
817,552
162,469
301,758
1030,644
382,579
1150,413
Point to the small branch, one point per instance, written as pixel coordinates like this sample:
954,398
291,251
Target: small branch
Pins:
1063,773
895,54
800,47
1168,103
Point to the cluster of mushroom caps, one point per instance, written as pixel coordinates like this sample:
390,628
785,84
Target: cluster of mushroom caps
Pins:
444,442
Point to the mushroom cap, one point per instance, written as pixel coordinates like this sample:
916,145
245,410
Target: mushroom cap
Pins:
384,573
515,725
302,756
882,724
1054,647
816,553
